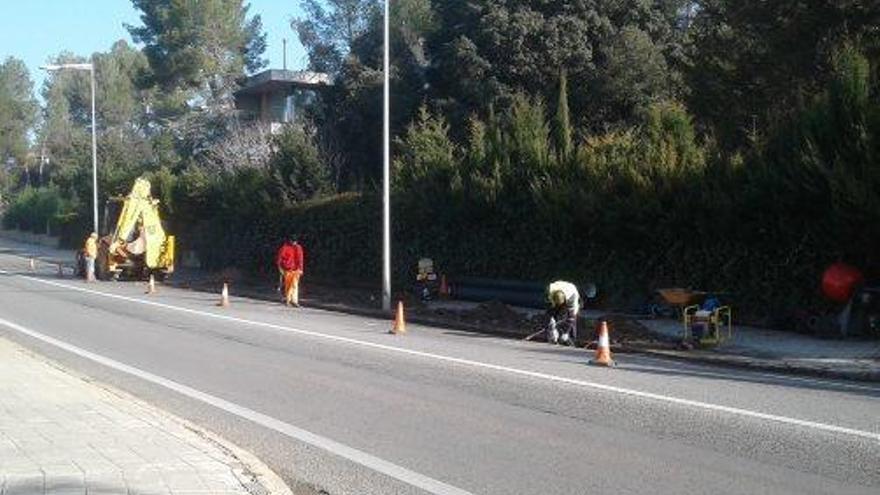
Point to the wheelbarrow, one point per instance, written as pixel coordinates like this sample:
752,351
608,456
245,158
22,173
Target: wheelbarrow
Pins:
715,324
678,299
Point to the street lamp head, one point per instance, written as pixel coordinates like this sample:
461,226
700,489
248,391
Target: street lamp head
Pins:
54,67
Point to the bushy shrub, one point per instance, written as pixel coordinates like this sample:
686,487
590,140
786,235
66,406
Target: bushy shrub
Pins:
427,171
296,166
38,210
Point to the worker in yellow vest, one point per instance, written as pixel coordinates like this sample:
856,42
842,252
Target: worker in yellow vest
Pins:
90,251
565,303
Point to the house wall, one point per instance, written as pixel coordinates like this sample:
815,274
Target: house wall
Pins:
274,107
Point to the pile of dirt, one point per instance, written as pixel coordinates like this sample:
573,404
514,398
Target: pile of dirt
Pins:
354,297
622,330
497,314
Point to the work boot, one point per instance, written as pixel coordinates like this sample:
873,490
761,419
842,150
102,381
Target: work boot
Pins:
566,340
552,336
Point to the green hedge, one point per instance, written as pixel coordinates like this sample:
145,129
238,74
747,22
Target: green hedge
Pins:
37,210
340,233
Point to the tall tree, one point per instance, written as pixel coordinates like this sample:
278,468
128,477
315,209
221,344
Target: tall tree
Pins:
633,74
18,110
121,103
756,62
202,46
344,37
122,128
330,28
64,136
562,132
491,50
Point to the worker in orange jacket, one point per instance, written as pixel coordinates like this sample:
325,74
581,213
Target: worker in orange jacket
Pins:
290,261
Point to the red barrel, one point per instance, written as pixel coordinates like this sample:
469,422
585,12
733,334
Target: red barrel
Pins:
840,281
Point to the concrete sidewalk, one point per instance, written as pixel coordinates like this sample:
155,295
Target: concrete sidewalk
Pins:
780,351
60,434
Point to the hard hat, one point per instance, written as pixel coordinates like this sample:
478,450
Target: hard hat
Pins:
558,298
94,235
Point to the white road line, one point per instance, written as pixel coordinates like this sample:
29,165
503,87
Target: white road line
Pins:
364,459
488,366
745,373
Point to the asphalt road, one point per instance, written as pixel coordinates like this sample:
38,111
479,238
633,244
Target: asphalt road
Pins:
332,401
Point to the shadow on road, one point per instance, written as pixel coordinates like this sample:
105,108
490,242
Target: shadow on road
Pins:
639,364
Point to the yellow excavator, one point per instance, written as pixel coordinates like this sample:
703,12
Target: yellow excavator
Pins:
138,246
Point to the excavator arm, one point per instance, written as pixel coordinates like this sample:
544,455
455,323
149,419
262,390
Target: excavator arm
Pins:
133,207
139,231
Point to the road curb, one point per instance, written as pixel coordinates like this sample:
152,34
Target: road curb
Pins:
267,481
758,364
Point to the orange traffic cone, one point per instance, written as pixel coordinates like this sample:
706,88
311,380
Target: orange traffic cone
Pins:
33,265
603,350
151,285
224,296
399,327
444,288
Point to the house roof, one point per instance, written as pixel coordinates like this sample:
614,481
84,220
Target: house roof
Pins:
283,81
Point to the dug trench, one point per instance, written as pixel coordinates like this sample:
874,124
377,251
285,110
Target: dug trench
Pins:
491,317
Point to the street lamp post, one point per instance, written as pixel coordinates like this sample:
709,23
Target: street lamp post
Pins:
386,172
91,69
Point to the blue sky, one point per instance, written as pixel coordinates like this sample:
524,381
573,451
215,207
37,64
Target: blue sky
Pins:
34,30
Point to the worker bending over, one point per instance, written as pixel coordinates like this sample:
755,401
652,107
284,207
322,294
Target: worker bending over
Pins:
565,304
290,263
90,252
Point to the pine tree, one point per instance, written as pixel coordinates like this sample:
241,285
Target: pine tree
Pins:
204,45
18,109
562,132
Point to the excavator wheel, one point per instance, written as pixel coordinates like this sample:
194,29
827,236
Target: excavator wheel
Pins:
102,271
